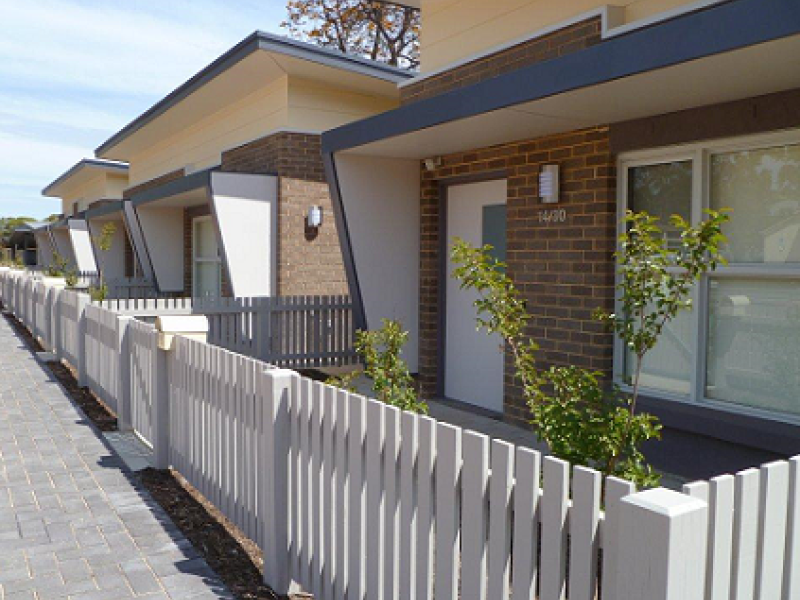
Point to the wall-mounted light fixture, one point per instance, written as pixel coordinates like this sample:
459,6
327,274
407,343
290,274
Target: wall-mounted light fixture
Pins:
433,163
549,184
314,217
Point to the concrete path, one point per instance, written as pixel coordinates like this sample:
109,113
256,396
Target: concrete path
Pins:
73,524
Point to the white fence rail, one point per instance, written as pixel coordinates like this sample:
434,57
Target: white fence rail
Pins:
351,499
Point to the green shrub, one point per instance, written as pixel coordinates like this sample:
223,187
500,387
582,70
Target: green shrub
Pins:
580,419
391,379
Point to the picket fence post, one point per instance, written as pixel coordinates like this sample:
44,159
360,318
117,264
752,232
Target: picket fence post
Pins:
662,537
274,489
83,378
124,412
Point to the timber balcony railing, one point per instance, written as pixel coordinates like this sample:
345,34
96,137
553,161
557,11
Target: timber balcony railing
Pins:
352,499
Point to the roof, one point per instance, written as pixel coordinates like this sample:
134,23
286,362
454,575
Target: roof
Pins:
500,105
259,41
84,165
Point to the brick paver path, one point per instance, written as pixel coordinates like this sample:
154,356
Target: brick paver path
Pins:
72,522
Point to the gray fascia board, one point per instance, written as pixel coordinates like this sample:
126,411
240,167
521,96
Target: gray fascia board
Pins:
331,58
258,40
722,28
103,210
86,162
195,181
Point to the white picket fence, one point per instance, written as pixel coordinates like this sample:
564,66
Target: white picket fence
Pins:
142,349
351,499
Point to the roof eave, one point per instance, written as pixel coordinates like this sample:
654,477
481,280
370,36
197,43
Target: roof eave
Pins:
737,24
256,41
52,190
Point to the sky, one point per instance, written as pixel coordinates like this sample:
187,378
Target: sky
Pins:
73,72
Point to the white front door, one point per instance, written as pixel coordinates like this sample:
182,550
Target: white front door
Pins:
476,212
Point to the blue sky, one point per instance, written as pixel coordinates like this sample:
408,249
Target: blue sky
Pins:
72,72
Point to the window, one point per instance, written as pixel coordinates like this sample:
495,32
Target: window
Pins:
206,268
740,346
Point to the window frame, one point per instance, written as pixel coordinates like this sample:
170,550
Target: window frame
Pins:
198,259
700,154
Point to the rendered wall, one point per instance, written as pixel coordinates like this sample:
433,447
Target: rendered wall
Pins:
456,29
105,186
200,146
44,249
82,245
162,229
63,245
314,108
111,262
381,202
284,104
245,208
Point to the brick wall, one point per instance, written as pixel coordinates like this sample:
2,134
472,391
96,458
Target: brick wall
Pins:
286,154
309,262
564,41
564,270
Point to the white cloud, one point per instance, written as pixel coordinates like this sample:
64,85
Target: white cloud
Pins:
74,71
19,108
132,47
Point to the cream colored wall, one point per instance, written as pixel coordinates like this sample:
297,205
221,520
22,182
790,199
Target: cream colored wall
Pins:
456,29
103,186
200,146
314,107
286,104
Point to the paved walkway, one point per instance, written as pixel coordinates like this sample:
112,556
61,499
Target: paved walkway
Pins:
72,522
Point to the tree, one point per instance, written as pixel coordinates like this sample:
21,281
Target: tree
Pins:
573,413
380,31
104,242
9,224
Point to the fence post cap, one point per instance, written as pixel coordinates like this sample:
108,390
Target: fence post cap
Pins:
59,282
665,502
191,326
276,373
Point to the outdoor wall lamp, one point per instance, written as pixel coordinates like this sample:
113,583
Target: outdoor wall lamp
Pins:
314,217
431,164
548,184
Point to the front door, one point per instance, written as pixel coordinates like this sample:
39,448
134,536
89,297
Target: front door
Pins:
476,212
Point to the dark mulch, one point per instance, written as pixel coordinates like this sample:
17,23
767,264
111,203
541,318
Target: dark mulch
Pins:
23,333
232,555
97,412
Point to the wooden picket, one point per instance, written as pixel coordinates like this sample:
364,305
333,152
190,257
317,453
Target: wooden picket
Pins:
142,348
102,355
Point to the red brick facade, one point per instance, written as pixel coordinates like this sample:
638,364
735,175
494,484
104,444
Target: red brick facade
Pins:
564,270
564,41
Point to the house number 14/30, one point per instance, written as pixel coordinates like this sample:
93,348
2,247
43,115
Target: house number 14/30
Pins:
550,217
